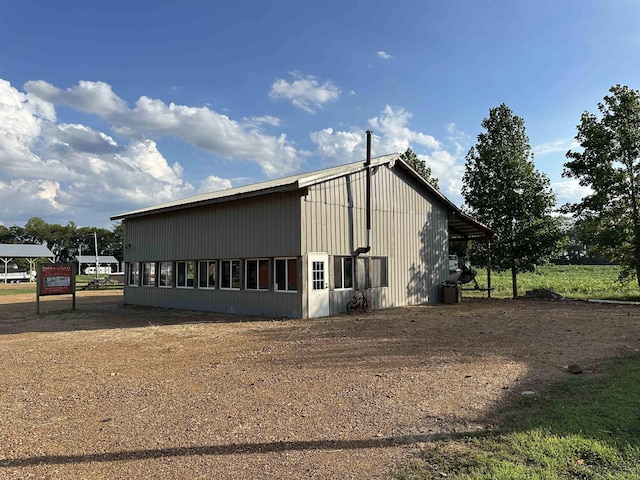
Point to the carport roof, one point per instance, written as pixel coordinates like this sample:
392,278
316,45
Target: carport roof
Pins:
16,250
92,259
462,226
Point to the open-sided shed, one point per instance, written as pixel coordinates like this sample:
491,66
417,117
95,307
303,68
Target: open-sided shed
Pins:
100,260
11,251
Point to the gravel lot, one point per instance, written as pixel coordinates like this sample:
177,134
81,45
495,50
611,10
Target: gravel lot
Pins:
116,392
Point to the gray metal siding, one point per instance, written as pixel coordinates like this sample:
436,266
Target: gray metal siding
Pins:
260,227
408,226
236,302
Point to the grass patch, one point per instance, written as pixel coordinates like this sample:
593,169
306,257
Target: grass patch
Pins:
587,427
571,281
17,290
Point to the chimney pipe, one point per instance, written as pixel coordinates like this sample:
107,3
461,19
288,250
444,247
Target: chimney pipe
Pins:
367,164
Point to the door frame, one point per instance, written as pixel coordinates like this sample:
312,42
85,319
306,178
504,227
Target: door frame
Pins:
318,285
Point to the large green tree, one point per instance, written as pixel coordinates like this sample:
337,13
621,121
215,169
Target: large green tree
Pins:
419,166
609,164
503,190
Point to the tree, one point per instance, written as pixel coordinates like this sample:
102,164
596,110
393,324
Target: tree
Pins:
503,190
609,164
419,166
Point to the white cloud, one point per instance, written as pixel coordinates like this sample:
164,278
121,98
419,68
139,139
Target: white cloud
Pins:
90,97
213,184
264,120
305,92
562,146
200,127
339,147
65,171
458,139
20,124
383,55
392,134
570,191
393,127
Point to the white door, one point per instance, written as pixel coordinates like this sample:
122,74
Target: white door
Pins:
318,284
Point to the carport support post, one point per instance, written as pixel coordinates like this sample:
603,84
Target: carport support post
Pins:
488,268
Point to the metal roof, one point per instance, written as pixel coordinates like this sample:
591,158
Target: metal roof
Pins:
16,250
460,224
294,182
103,259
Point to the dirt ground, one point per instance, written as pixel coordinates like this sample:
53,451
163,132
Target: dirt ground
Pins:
118,392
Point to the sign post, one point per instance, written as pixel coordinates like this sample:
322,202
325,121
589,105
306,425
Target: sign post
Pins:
56,279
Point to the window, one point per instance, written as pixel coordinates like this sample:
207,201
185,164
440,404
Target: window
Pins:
149,274
134,274
342,272
208,274
166,274
186,274
371,272
257,274
230,274
286,275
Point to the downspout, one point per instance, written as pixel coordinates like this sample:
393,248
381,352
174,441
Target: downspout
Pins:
367,164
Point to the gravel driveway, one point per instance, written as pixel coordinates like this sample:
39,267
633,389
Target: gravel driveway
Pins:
117,392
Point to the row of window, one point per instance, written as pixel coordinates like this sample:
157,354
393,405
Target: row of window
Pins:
256,275
211,274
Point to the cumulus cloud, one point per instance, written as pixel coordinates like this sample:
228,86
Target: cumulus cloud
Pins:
392,134
89,97
73,171
65,171
305,92
570,191
393,126
383,55
200,127
214,184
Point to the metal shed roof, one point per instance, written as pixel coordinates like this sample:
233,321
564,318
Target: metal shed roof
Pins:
16,250
460,224
294,182
103,259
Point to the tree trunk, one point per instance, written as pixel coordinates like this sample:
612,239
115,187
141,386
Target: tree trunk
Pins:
514,281
636,259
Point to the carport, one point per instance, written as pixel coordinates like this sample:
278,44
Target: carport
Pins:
11,251
97,261
464,228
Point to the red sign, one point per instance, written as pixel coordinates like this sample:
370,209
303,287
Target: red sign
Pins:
56,279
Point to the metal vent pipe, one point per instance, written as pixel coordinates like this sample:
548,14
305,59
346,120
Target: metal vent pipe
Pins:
367,164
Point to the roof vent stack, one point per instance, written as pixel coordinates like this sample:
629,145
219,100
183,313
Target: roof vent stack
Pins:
367,164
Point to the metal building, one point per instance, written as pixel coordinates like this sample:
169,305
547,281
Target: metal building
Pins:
297,247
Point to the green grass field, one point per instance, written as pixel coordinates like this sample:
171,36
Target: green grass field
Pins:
571,281
26,287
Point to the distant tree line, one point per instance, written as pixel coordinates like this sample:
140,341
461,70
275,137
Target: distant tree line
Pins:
66,241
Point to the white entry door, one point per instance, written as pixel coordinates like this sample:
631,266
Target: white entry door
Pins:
318,284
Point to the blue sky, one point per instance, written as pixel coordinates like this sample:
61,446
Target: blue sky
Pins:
106,107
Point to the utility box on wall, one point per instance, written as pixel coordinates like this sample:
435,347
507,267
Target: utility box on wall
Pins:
451,292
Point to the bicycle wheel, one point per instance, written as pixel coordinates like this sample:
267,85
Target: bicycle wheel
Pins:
366,306
352,306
